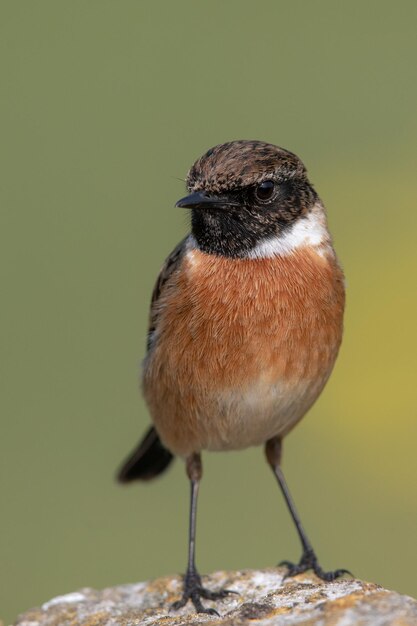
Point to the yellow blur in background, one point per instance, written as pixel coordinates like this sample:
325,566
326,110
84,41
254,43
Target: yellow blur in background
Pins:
104,107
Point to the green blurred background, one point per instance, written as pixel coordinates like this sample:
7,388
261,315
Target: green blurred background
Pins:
104,106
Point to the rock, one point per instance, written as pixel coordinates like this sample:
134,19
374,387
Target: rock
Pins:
263,597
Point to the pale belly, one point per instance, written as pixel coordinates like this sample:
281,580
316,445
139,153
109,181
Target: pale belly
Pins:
250,416
230,371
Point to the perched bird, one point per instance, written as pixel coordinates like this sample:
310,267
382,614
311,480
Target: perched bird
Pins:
245,325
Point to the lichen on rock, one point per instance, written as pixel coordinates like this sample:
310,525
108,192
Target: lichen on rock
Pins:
263,597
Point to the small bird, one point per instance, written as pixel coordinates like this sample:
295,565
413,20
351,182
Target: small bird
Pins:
245,325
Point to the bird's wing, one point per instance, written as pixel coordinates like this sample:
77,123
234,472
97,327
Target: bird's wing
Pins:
172,263
150,458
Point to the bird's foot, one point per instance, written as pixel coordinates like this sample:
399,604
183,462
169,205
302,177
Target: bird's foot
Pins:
194,591
309,561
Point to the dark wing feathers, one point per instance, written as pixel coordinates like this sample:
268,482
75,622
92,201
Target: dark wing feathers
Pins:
150,458
172,263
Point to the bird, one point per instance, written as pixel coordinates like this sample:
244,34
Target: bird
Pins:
246,321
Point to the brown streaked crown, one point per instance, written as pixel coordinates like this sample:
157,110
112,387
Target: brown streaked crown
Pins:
242,163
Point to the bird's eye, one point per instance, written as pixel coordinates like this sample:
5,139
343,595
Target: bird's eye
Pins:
265,190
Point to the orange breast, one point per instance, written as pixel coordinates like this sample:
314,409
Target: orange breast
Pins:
235,335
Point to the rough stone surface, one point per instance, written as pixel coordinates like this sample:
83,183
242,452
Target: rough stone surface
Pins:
263,598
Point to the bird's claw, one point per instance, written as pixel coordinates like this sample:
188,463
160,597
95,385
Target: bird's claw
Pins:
194,591
309,561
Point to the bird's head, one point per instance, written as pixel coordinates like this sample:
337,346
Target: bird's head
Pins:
252,199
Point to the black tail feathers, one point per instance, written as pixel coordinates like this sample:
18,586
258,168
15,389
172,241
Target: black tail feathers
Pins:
147,461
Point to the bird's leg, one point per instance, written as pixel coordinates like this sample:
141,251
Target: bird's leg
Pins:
273,452
193,587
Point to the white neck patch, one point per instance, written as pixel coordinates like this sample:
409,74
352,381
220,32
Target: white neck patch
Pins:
307,231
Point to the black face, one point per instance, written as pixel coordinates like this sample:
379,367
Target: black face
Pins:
232,223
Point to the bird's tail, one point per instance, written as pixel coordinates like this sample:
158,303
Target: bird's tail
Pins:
147,461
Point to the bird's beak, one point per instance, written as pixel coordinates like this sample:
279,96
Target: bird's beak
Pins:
200,200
